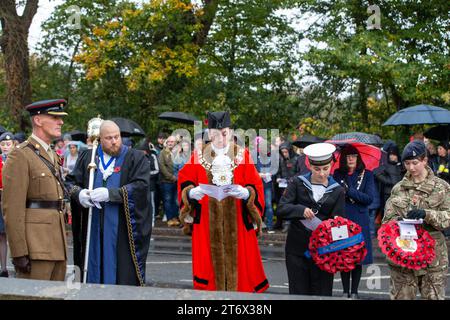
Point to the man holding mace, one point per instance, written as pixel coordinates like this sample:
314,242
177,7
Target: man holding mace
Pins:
121,223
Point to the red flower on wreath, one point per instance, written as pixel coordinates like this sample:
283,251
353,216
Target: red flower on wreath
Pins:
412,254
116,169
343,260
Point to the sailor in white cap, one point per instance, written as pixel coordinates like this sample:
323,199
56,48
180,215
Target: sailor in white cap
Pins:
307,200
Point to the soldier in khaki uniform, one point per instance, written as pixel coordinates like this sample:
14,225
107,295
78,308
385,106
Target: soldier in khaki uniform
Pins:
420,195
33,198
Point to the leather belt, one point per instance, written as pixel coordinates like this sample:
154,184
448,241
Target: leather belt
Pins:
39,204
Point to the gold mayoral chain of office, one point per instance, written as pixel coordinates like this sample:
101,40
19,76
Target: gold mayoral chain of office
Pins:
222,167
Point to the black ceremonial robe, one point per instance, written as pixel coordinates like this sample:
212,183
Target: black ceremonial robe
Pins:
134,221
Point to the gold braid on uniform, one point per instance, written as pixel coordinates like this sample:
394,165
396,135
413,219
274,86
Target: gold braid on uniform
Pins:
130,236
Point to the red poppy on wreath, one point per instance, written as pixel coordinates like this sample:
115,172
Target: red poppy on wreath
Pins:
205,122
116,169
411,254
341,255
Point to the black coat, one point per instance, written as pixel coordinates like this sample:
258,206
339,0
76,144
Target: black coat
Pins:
445,162
388,175
299,196
134,231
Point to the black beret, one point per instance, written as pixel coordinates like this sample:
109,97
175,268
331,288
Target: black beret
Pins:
6,136
414,150
219,120
20,136
444,145
53,107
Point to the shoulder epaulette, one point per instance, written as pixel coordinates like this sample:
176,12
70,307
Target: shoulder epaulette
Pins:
22,145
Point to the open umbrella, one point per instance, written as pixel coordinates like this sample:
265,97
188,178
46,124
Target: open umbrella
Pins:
366,138
180,117
421,114
441,133
128,127
306,140
77,135
370,155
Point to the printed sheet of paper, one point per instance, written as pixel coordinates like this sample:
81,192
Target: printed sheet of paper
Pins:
339,233
311,224
217,192
283,183
267,178
412,221
407,231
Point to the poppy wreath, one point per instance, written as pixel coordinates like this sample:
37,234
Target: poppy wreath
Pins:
418,257
339,255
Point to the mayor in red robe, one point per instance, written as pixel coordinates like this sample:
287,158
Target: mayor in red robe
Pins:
225,252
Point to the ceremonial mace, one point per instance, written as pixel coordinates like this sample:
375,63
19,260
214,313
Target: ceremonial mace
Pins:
93,133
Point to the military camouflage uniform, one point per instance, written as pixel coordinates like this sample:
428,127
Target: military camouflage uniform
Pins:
432,195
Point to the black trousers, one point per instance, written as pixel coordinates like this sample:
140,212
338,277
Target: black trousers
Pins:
79,233
306,278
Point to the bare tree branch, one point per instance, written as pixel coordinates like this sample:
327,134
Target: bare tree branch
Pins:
210,9
8,8
29,12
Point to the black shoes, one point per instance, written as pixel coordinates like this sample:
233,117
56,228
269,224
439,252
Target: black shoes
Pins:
4,274
353,296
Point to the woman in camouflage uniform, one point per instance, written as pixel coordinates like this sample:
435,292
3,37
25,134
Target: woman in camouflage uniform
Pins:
420,195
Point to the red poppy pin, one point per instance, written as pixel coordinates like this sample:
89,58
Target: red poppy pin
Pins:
117,169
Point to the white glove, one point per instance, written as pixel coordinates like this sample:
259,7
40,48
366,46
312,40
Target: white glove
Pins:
196,193
85,198
239,192
100,195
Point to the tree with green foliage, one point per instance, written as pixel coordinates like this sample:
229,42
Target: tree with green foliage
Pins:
403,63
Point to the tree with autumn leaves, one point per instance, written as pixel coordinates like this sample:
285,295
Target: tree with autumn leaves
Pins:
138,60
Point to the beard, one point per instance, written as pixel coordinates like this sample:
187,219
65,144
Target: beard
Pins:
113,151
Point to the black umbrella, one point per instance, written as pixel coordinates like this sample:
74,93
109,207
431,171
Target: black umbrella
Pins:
180,117
128,127
306,140
366,138
421,114
441,133
77,135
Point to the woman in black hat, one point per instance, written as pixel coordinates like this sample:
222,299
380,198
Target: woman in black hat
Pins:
420,195
443,159
359,187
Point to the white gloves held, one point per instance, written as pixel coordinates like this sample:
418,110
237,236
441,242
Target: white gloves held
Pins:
196,193
85,198
100,195
239,192
93,198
